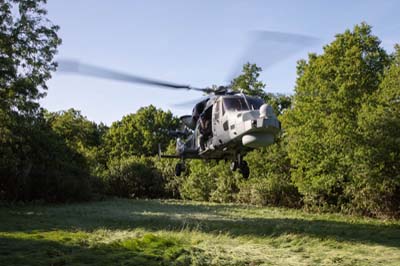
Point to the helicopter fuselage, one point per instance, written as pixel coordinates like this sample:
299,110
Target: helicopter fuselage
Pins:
237,124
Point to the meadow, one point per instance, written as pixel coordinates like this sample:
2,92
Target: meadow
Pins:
170,232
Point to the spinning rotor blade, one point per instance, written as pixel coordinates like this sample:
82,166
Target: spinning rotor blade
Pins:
190,103
266,48
75,67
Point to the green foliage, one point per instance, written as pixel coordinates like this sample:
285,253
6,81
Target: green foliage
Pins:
82,136
376,174
280,102
210,181
271,160
140,133
167,169
58,173
134,177
137,135
270,180
339,149
200,182
248,81
48,169
226,183
321,127
79,133
28,43
271,191
35,163
250,85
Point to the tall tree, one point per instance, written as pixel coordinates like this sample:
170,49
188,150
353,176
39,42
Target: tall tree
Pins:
28,43
81,135
376,172
140,133
321,126
248,81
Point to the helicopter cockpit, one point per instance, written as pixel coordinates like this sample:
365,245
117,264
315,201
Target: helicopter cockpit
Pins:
242,103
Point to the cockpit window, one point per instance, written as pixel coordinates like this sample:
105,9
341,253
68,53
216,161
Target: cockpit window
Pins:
239,103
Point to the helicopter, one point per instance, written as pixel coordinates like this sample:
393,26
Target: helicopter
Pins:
225,125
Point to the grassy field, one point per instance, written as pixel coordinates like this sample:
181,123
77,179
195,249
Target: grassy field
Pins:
138,232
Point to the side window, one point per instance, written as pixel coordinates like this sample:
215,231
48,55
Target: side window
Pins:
216,111
223,108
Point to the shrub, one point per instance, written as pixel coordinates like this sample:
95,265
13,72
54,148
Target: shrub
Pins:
226,183
273,191
166,168
200,182
134,177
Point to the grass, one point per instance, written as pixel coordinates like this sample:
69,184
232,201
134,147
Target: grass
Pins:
154,232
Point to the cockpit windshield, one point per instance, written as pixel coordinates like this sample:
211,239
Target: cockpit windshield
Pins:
239,103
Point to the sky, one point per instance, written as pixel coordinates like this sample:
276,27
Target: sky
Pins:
189,42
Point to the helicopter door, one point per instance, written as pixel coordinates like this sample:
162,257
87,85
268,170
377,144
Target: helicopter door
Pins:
218,131
216,113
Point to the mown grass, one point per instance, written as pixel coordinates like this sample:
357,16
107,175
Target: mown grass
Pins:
154,232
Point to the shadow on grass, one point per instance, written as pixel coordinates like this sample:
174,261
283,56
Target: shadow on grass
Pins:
149,250
214,219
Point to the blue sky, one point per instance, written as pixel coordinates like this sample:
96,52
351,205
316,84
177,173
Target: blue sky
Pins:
190,42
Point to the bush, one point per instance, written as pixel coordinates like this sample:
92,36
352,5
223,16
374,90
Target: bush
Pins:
134,177
43,166
270,178
210,181
272,191
200,182
166,167
226,183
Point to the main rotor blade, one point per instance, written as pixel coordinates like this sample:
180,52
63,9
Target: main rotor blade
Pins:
75,67
266,48
190,103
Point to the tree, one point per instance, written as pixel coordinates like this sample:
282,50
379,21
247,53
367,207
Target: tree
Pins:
375,189
248,81
322,125
81,135
280,102
140,133
28,43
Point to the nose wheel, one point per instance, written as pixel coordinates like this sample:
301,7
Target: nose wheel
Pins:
242,166
179,168
244,170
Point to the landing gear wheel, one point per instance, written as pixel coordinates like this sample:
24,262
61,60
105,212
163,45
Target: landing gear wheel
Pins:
234,166
244,170
178,169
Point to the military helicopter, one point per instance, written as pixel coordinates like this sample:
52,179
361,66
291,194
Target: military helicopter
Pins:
225,125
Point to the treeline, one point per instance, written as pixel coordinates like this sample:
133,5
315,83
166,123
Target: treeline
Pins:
338,150
340,145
